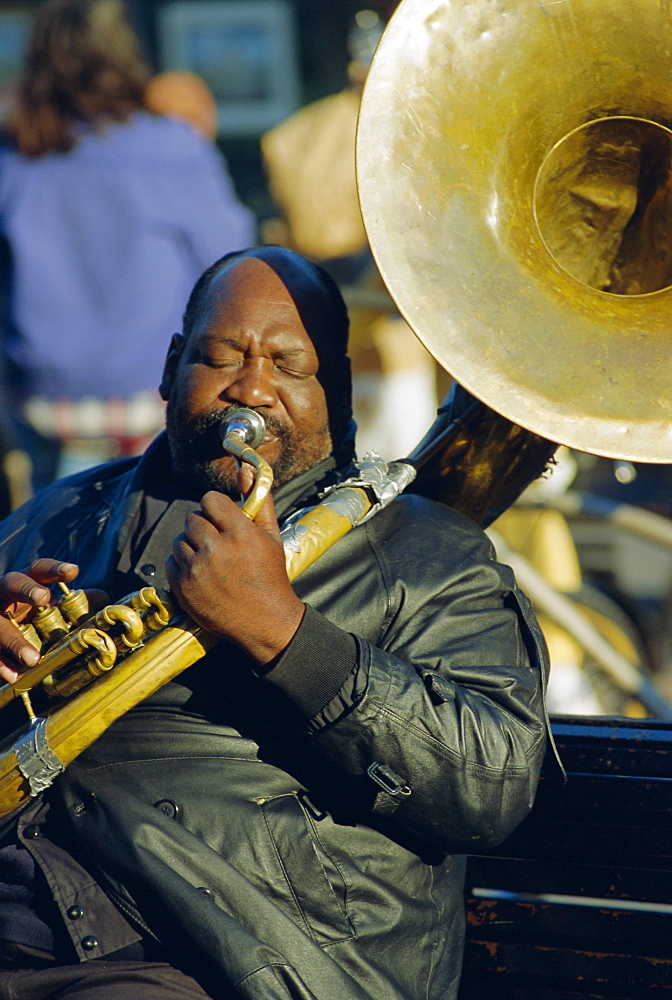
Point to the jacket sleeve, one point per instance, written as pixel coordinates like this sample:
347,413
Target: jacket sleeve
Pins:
444,713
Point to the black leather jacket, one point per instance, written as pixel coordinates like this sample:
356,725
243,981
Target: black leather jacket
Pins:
330,837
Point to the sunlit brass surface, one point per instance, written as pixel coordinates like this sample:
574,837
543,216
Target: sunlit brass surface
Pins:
480,463
77,722
512,155
108,664
263,477
93,647
73,605
240,436
323,526
96,670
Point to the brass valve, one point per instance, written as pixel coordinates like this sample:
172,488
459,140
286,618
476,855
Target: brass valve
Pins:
74,605
50,625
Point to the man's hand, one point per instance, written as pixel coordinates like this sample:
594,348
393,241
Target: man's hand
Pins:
228,573
21,595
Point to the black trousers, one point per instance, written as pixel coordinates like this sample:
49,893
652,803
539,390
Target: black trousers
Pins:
100,980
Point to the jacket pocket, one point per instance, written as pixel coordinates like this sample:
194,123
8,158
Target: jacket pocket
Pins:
313,896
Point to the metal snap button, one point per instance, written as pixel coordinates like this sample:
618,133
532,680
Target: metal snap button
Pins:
89,942
75,912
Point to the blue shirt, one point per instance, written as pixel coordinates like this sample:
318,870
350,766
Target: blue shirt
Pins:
107,241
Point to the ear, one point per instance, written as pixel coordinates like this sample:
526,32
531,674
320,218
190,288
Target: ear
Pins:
170,366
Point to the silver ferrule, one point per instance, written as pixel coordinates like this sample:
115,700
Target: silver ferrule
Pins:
246,425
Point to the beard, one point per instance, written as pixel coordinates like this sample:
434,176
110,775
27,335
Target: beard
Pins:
196,449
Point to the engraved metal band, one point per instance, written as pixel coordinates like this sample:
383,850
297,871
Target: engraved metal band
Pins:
36,760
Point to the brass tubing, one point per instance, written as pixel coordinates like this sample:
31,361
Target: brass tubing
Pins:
263,478
75,724
309,537
514,168
71,647
80,721
154,609
127,618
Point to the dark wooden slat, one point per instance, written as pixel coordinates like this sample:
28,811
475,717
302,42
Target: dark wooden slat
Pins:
604,838
534,876
650,794
545,837
629,933
614,746
563,968
493,988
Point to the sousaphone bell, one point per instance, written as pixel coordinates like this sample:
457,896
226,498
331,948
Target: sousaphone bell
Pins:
514,167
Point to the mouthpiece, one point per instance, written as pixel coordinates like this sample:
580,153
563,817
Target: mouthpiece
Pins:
246,425
242,431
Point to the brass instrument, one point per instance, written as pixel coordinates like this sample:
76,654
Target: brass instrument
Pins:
515,175
515,164
100,667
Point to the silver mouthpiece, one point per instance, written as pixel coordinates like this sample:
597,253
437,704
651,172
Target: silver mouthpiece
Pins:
247,426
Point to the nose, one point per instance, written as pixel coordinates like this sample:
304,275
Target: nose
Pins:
253,384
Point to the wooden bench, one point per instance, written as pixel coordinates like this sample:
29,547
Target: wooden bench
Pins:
578,901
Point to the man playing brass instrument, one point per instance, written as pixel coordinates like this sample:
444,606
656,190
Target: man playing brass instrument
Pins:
289,817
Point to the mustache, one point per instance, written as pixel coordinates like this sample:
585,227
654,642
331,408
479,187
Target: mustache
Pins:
202,433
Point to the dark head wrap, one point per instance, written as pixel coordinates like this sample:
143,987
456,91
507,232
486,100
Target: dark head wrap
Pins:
323,313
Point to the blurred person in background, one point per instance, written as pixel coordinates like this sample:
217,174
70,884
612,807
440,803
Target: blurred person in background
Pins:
310,165
15,471
186,96
110,213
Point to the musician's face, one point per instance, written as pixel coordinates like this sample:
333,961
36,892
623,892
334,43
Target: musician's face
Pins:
249,348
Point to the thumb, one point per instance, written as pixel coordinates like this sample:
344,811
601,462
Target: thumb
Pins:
267,520
245,479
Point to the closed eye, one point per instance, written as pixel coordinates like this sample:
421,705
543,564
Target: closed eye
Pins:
233,361
293,372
